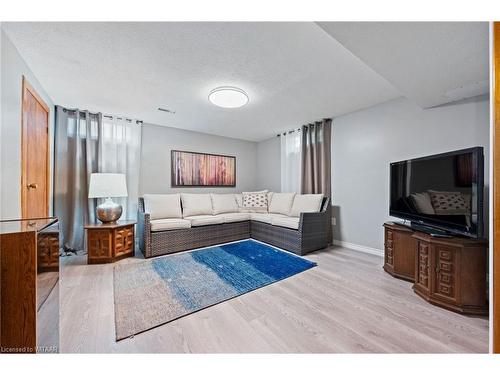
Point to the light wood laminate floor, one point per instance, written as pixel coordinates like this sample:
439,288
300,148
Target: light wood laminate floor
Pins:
347,304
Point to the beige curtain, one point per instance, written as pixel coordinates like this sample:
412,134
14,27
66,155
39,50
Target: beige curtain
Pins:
316,163
316,158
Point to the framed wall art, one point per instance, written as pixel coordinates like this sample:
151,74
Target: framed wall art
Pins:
200,169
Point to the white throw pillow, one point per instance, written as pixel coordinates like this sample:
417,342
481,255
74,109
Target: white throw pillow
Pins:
254,201
196,204
306,203
281,203
163,206
448,202
423,203
223,203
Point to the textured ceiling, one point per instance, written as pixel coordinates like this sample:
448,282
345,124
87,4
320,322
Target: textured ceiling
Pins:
432,63
293,72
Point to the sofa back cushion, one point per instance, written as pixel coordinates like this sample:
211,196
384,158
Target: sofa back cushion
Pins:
306,203
223,203
196,204
163,206
281,203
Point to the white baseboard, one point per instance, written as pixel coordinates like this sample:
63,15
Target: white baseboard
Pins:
363,249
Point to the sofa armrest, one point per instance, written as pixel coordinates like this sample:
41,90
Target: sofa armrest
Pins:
314,227
144,229
313,222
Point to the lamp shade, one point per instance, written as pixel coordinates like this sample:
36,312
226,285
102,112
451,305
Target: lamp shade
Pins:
107,185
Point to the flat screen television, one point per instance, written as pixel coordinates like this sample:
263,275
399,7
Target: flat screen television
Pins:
442,192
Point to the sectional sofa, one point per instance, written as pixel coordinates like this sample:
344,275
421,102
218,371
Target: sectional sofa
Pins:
169,223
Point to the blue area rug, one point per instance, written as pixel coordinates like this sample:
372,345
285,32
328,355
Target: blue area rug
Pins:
156,291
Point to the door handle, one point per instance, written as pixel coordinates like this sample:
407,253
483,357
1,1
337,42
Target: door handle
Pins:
32,186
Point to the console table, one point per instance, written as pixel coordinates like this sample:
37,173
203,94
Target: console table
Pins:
447,272
29,287
109,242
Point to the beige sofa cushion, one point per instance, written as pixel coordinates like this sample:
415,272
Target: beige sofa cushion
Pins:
281,203
169,224
196,204
235,217
269,197
285,221
223,203
306,203
264,217
163,206
200,220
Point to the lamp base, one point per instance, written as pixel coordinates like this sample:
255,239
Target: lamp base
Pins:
109,211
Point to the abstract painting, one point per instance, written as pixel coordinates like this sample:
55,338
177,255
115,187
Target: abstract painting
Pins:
198,169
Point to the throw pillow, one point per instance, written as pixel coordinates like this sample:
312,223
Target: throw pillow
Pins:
448,202
256,202
423,204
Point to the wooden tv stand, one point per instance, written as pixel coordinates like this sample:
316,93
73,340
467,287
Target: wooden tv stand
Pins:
447,272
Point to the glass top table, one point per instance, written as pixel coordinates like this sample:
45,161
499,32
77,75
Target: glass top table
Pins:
25,225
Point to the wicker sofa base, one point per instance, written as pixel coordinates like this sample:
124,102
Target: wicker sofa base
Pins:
172,241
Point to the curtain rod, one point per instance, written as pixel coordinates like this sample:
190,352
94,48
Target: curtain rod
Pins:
289,132
106,116
299,129
123,118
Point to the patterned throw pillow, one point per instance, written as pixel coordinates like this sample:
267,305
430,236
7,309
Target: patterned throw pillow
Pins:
448,202
255,201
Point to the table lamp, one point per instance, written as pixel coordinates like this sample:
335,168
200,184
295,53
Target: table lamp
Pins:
108,185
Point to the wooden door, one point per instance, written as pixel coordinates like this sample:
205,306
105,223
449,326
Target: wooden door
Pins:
34,154
496,190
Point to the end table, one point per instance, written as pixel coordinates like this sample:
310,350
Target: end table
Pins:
109,242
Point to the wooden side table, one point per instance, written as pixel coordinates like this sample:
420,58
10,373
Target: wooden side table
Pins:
109,242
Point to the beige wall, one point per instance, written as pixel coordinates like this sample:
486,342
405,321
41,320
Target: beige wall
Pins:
365,142
269,164
158,141
13,67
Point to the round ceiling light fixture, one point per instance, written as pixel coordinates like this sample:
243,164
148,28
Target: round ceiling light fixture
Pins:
228,97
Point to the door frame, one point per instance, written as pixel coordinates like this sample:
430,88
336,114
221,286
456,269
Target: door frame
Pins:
28,88
496,188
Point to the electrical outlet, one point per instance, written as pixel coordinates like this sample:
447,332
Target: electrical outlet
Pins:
334,221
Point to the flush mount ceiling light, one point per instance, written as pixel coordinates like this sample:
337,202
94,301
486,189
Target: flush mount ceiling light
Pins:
228,97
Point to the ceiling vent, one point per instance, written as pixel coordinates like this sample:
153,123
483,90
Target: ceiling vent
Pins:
166,110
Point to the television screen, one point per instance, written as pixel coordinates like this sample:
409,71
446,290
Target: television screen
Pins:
443,191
